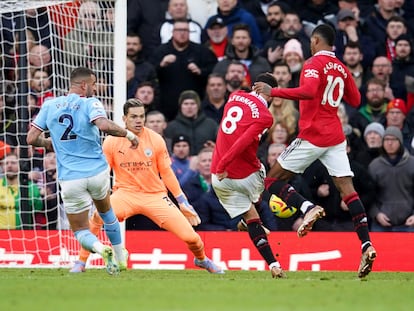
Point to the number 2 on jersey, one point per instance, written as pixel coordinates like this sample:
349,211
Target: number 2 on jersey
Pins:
67,135
328,94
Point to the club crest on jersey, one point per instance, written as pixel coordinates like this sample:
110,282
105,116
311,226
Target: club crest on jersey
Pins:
311,73
97,104
148,152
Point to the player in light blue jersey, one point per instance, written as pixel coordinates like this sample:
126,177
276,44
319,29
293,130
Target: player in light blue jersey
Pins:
74,122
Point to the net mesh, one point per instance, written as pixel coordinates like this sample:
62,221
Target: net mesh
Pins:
41,42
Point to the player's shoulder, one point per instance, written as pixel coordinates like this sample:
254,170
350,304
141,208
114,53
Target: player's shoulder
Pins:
53,101
154,136
93,101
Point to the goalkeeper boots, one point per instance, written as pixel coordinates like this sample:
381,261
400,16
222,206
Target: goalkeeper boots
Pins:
110,262
78,267
209,265
367,260
309,219
123,264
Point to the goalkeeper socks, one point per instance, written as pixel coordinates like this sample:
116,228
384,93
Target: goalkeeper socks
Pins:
359,218
259,239
88,240
197,248
111,226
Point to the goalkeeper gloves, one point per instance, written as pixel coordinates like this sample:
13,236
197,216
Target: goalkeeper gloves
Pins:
187,210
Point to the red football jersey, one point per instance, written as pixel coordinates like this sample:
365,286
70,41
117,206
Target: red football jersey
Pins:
245,118
324,83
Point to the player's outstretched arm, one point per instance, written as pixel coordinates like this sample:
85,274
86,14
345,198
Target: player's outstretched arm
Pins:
172,184
262,88
111,128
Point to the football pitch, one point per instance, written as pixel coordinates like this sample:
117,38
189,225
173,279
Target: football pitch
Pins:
56,289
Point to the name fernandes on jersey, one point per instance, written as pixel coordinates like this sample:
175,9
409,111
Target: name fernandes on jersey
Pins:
248,102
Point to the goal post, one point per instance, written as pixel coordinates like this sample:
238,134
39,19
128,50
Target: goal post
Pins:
41,42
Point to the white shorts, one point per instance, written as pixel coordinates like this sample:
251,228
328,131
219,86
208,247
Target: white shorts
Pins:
237,195
77,194
300,154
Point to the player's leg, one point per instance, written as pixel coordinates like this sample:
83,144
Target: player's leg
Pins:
95,225
122,209
360,221
337,163
124,204
98,187
259,239
294,160
236,197
76,200
161,210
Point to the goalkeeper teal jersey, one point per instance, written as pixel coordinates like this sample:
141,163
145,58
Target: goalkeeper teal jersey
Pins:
75,138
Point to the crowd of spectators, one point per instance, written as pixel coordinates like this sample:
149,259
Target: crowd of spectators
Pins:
184,58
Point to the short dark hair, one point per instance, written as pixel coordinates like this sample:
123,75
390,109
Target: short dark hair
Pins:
132,103
146,83
376,81
353,45
282,63
267,78
81,72
283,6
326,32
215,75
235,62
244,27
155,112
133,34
398,19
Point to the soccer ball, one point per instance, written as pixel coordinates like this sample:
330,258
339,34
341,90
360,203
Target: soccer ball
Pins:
279,208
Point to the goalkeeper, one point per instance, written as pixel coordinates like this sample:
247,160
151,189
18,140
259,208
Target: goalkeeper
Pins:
142,177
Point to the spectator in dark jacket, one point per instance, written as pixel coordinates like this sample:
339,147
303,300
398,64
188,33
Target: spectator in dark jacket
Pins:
192,121
181,65
393,173
241,49
232,15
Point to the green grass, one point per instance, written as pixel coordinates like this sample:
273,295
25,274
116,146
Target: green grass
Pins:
56,289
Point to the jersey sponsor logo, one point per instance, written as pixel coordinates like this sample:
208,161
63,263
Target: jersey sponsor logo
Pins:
136,166
311,73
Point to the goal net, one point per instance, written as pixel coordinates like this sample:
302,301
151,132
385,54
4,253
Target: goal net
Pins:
41,42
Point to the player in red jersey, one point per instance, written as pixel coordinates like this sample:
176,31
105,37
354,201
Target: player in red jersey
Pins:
237,174
324,83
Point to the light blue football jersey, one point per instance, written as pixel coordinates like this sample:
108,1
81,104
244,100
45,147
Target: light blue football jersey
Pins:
75,138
